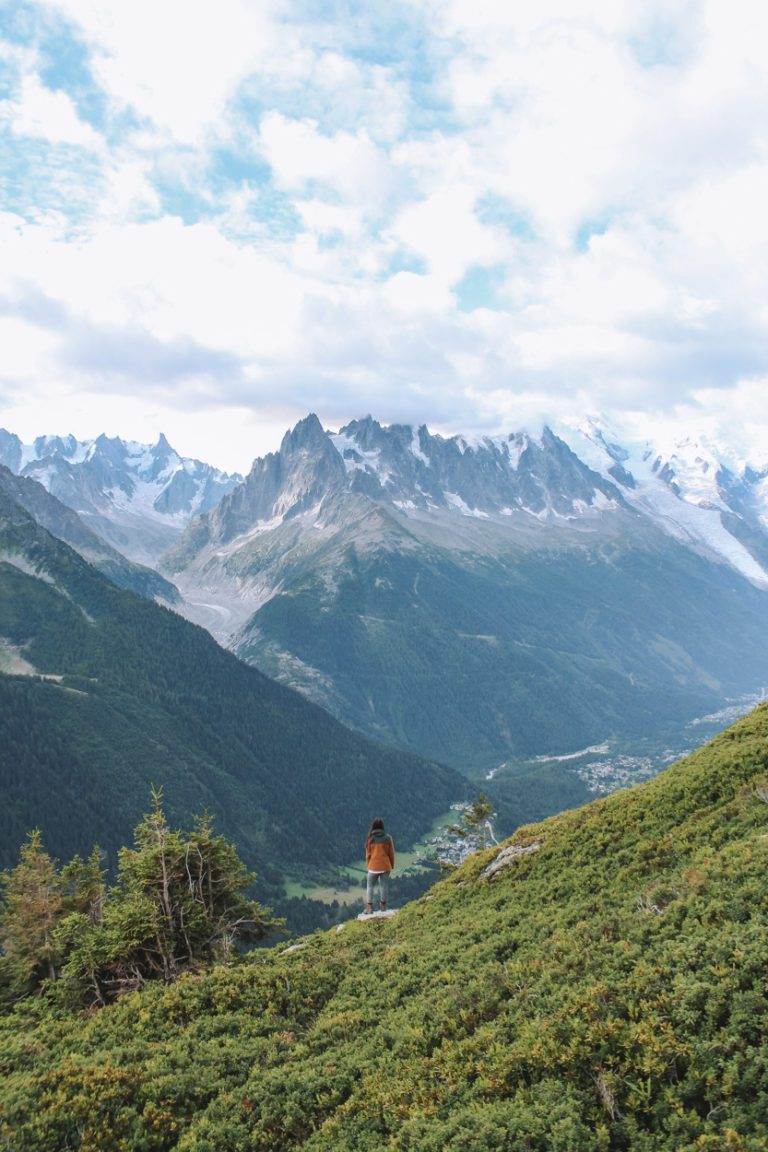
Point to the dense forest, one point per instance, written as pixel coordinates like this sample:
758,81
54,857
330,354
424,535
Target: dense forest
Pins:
118,693
597,984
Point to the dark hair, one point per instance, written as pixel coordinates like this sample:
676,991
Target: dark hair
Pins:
377,824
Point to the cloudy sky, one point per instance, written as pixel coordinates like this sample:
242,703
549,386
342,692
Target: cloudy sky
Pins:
214,217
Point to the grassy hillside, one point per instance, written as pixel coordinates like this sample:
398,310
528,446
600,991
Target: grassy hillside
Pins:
604,991
102,693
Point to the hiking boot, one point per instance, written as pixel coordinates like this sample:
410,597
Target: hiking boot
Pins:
368,910
382,907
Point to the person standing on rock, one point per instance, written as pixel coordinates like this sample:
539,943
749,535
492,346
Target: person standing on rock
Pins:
379,861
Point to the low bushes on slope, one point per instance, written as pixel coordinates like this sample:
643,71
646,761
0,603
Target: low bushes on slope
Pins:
604,991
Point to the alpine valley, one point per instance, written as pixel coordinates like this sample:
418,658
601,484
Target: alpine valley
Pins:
483,603
104,694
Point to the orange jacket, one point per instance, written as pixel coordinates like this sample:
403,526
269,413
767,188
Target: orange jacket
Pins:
380,854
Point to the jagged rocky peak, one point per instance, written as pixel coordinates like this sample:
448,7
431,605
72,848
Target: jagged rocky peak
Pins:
159,459
308,433
65,446
10,450
110,448
482,475
137,496
281,485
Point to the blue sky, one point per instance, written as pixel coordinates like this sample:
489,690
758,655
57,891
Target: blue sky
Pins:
475,214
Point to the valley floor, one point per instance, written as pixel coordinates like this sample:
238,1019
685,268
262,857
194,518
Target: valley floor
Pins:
612,764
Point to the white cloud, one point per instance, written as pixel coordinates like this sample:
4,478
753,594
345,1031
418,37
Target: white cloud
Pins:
172,280
408,293
300,155
324,219
174,63
445,231
727,214
49,115
607,160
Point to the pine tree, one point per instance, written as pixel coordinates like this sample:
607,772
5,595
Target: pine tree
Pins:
180,902
33,903
474,828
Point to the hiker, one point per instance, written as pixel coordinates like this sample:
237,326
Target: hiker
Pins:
379,860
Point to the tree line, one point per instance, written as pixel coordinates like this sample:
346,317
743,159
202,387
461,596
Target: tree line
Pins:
180,901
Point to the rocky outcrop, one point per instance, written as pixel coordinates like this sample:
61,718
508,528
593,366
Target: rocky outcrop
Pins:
509,856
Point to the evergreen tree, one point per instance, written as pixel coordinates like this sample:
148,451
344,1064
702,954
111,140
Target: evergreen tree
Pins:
180,902
33,903
474,827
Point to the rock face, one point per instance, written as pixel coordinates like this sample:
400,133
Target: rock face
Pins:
415,470
138,497
406,470
509,856
285,484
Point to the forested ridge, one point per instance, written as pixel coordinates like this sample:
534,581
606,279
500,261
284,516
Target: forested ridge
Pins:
597,984
67,525
125,694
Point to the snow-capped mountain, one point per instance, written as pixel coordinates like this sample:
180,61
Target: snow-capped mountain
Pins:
470,597
574,475
376,483
699,492
410,471
138,497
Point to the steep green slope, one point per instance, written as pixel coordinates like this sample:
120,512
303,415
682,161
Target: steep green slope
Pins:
606,990
112,692
66,525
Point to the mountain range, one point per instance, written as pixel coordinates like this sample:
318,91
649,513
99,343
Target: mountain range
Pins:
104,693
138,497
474,600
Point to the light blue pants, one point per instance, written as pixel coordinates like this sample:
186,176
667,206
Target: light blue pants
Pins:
383,879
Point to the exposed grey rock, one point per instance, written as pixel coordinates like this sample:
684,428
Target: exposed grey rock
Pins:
137,497
10,450
508,856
